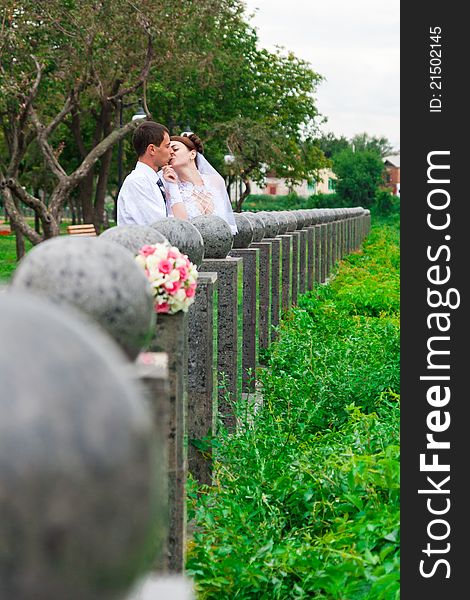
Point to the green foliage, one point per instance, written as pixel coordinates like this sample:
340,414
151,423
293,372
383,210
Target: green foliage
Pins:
363,142
256,202
359,177
198,67
386,203
331,145
306,495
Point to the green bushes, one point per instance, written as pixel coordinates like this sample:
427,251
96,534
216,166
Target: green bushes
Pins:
306,495
290,202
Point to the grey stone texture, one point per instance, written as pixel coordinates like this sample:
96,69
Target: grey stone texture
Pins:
264,278
295,266
310,257
318,253
302,261
258,225
133,237
184,236
283,222
216,234
202,376
291,220
171,336
151,370
286,269
96,276
228,364
244,236
271,223
299,215
276,252
329,247
80,469
250,257
344,237
324,252
157,587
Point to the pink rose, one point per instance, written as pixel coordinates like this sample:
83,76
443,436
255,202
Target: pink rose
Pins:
164,307
184,272
147,250
172,254
165,266
190,292
172,287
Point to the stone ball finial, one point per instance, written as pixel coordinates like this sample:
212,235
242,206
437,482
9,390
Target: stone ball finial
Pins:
308,217
80,500
299,215
184,236
98,277
292,221
258,225
283,222
245,234
314,216
271,224
216,234
133,237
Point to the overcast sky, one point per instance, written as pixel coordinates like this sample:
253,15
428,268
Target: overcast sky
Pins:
354,45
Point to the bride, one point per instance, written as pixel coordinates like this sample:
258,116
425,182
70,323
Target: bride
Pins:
201,188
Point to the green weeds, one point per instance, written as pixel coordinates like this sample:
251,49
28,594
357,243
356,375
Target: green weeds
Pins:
305,501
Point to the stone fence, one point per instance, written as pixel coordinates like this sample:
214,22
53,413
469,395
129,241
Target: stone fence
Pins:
105,404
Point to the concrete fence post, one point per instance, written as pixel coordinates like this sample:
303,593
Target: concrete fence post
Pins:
202,377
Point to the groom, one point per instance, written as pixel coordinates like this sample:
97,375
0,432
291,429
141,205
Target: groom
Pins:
142,198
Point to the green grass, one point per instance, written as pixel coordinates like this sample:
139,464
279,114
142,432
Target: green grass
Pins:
8,256
305,501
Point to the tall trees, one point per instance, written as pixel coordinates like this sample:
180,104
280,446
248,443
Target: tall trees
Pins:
380,145
64,68
61,79
256,105
67,65
359,176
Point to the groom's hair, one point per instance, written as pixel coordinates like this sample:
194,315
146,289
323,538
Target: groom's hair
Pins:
148,132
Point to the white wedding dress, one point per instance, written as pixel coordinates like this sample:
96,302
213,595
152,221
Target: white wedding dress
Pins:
211,198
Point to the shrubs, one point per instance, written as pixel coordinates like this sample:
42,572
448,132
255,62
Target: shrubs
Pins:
306,496
291,202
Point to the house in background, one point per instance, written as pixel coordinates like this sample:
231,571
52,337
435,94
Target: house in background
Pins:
392,173
276,186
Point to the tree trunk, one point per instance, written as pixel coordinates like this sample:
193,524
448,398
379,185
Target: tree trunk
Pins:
101,187
246,192
85,196
17,220
20,249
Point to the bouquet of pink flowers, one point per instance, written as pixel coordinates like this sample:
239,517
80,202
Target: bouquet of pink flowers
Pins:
172,275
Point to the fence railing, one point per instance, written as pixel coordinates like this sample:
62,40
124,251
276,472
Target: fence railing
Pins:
98,435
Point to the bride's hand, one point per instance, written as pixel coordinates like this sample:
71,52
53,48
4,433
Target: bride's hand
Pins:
169,174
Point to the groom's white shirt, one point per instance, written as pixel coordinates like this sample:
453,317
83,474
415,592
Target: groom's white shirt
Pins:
140,200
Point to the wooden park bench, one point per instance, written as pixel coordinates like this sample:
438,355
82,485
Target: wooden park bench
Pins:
87,229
